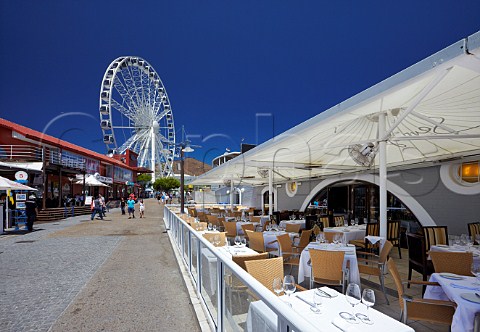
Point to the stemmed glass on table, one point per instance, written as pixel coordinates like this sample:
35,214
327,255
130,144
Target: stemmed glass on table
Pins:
368,298
353,297
238,241
317,301
476,272
277,285
289,286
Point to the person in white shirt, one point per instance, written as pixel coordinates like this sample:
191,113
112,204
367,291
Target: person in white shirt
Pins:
142,209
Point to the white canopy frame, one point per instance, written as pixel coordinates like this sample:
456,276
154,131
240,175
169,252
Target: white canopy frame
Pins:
427,113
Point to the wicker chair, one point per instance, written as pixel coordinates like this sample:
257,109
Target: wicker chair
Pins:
452,262
264,227
435,311
199,226
325,222
474,230
210,236
202,216
255,241
192,211
329,236
417,257
304,240
247,227
371,229
215,221
255,219
435,235
292,228
290,255
376,266
265,270
393,234
327,268
231,229
339,221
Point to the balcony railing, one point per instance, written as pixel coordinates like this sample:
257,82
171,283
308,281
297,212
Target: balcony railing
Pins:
221,285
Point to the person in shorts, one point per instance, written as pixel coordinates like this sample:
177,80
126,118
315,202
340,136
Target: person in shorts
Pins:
131,207
142,209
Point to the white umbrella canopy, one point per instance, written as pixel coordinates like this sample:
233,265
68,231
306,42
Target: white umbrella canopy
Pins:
6,184
91,181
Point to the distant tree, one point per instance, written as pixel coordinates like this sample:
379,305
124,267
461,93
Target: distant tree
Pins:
144,179
166,184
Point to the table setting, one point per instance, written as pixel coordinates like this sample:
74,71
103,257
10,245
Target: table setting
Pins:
350,232
271,235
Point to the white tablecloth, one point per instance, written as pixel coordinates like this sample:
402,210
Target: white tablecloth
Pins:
260,318
350,232
284,223
304,269
466,310
270,236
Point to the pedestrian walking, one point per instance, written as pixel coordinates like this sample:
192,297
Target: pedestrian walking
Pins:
96,207
142,209
131,207
122,206
31,211
102,204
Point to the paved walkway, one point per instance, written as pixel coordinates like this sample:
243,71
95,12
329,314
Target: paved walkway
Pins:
76,275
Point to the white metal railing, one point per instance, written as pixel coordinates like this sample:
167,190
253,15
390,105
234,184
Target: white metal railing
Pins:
192,246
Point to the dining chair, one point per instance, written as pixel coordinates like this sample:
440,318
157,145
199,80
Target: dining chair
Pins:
265,270
435,235
231,229
393,234
290,255
434,311
255,219
247,227
474,230
417,257
202,216
214,221
329,236
304,240
339,221
265,225
452,262
210,236
256,241
192,212
199,226
371,229
292,228
310,221
374,265
325,222
327,268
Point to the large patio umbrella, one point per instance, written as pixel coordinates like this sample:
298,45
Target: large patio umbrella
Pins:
91,181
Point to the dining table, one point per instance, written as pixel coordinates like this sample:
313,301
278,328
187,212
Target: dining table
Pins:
270,236
458,248
261,318
464,291
240,223
301,222
350,258
350,232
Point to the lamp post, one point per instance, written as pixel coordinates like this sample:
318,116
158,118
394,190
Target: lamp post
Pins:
184,147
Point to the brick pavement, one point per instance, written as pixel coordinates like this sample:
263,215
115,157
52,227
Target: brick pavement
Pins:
77,275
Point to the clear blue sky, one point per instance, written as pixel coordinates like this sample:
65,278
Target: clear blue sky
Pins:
222,62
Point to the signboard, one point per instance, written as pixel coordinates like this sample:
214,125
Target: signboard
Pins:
21,197
104,179
20,206
88,200
21,176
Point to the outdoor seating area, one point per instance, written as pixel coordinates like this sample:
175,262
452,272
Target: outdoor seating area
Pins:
330,261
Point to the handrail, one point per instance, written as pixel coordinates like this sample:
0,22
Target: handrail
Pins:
286,316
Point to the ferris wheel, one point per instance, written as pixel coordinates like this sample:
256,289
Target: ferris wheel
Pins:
136,114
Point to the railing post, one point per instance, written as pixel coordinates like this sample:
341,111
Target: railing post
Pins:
189,251
220,295
199,267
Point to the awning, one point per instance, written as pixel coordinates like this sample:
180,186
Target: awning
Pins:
30,166
431,112
6,184
91,181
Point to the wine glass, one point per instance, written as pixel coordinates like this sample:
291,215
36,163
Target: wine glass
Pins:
476,272
243,241
353,297
368,298
278,285
210,226
289,286
238,241
317,301
214,228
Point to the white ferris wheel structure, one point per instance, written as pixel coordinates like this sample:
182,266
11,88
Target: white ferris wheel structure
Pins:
136,114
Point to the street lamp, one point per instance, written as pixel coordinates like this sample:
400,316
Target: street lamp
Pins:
184,147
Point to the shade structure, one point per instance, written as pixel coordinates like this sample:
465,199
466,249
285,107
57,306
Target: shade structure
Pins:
6,184
430,111
91,181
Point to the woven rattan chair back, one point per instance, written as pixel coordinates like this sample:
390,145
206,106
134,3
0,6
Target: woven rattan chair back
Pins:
240,260
202,216
199,226
327,266
329,236
452,262
210,236
265,270
387,247
247,227
256,241
292,228
392,267
435,235
264,227
474,230
304,238
339,221
255,219
192,212
316,230
230,228
284,243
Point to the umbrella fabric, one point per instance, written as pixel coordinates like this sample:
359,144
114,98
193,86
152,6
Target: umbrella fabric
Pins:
91,181
6,184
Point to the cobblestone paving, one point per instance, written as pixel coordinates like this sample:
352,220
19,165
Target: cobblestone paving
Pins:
41,275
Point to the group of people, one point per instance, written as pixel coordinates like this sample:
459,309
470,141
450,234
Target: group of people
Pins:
130,203
98,206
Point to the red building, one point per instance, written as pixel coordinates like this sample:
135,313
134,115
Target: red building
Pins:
57,168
